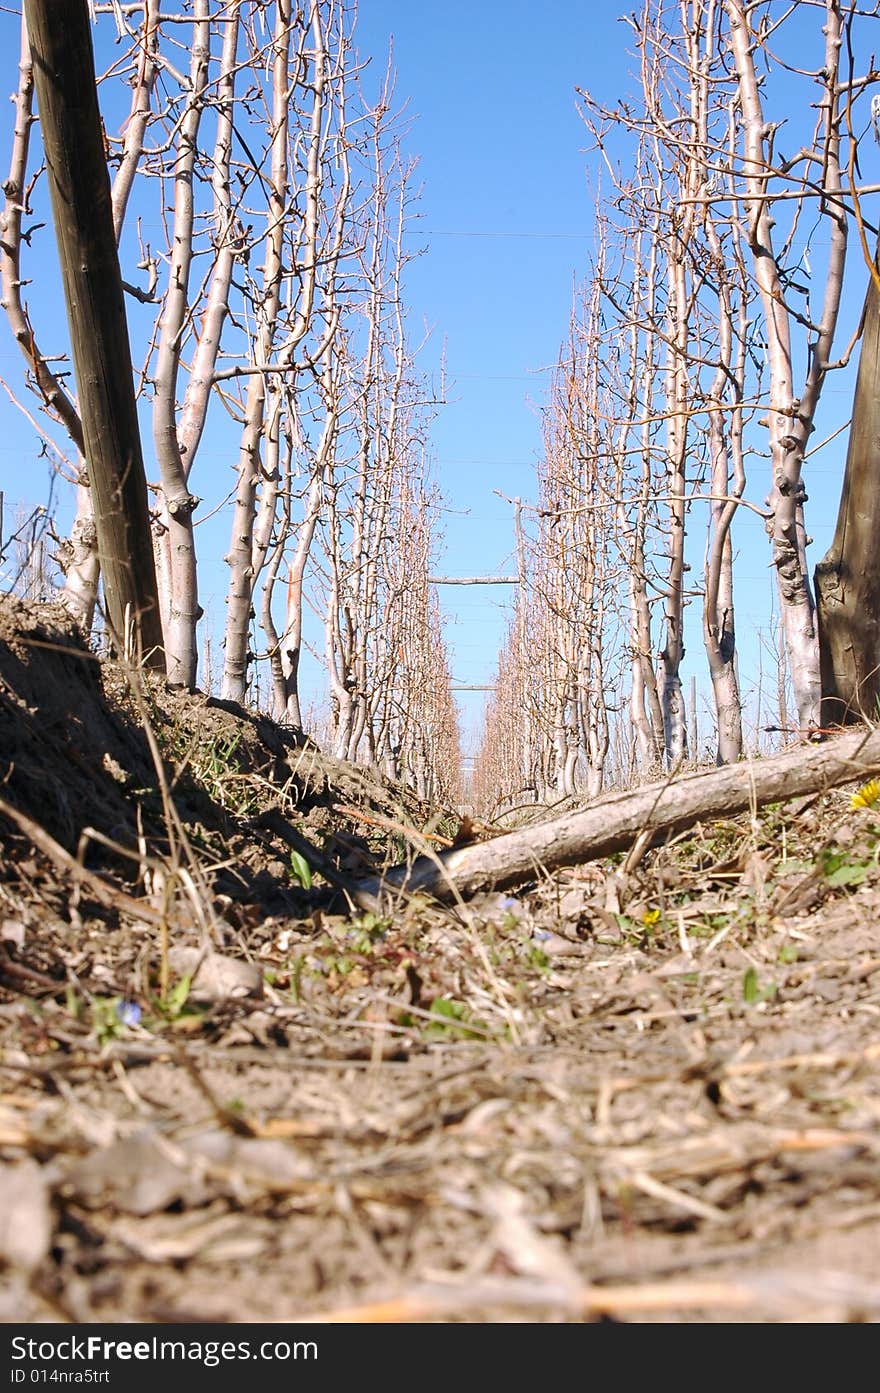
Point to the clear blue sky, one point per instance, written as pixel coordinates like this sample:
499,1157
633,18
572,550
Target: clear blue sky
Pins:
506,230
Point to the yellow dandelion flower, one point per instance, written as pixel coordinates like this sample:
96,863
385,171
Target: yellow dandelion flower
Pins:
867,796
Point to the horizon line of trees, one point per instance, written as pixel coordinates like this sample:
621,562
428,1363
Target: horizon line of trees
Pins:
688,390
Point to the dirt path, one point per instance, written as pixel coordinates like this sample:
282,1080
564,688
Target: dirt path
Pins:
643,1096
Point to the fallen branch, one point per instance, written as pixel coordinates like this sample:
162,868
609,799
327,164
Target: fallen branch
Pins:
614,822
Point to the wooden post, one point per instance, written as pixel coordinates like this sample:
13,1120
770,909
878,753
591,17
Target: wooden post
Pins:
64,75
693,730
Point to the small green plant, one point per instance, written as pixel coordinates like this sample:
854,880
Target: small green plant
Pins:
112,1016
176,998
211,763
171,1004
301,870
753,992
709,925
297,968
451,1021
338,964
644,930
797,865
839,868
536,958
174,1007
374,925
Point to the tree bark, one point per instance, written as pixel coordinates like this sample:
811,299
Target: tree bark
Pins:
791,417
80,190
77,557
175,540
613,823
847,578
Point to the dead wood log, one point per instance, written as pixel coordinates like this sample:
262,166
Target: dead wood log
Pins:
612,823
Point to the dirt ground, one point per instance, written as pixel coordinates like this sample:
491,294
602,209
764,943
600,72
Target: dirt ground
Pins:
631,1092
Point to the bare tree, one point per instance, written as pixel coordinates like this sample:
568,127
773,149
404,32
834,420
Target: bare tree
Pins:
413,719
547,729
177,439
766,177
132,157
701,212
630,365
378,465
572,574
294,307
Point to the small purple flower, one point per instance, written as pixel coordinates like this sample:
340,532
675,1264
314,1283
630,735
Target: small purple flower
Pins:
128,1012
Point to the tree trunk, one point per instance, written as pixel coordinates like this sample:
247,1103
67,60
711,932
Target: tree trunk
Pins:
80,189
791,416
174,533
847,578
77,557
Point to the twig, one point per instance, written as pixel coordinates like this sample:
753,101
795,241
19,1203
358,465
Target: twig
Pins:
235,1121
388,824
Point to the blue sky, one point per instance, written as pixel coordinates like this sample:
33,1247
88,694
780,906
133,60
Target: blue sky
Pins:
505,229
